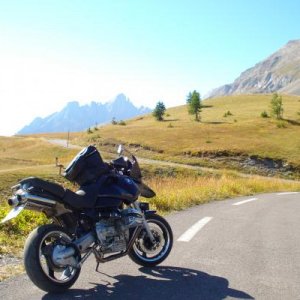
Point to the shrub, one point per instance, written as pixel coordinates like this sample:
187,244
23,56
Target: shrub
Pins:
89,130
122,123
227,114
264,114
281,124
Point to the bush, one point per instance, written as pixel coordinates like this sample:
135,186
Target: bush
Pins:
122,123
264,114
170,125
89,130
281,124
227,114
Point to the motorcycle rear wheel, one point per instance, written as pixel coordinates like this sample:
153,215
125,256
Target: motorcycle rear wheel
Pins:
38,267
147,254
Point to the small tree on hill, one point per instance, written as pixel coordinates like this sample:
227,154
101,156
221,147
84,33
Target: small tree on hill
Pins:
277,106
159,111
113,121
194,104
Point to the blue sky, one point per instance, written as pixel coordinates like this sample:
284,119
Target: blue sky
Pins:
52,52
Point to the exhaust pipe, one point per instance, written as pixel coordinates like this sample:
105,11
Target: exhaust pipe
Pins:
38,199
14,201
19,198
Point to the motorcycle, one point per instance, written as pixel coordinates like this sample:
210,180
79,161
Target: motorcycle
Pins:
104,218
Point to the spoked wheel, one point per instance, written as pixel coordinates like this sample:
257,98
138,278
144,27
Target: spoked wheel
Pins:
38,262
146,253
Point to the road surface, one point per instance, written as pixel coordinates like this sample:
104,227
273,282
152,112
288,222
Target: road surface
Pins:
245,248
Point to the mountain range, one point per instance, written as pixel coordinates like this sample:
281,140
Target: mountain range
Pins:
280,73
76,117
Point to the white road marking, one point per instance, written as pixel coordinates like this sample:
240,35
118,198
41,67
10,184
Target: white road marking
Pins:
244,201
191,232
287,193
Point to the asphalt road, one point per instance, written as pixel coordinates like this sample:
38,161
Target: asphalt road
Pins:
225,251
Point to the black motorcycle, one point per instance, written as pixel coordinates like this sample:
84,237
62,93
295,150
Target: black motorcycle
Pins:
103,217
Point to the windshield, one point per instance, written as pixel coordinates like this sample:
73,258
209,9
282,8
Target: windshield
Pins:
135,172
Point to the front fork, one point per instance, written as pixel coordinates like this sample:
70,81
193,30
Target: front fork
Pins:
136,205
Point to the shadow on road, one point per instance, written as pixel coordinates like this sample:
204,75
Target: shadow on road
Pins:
157,283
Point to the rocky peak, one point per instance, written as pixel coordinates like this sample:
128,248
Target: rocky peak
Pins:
280,72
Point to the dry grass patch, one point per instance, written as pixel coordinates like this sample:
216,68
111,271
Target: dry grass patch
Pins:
23,152
177,193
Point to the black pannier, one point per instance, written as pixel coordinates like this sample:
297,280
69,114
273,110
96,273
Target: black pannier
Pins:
86,167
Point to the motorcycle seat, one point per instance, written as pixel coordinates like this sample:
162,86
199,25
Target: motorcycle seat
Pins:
84,198
36,185
100,195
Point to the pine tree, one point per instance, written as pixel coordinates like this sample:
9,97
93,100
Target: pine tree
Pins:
194,104
159,111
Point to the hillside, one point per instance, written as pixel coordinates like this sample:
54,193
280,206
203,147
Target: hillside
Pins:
280,72
76,117
242,139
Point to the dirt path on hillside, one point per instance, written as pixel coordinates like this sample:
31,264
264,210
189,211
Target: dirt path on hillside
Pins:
63,143
25,168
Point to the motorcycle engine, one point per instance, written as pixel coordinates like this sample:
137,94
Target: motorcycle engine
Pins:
113,232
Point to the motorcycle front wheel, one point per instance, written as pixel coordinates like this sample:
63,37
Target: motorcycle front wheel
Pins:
37,259
148,254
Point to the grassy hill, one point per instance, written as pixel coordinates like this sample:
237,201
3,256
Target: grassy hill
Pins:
217,140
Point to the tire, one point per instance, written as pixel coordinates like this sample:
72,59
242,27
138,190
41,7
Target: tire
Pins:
34,267
138,252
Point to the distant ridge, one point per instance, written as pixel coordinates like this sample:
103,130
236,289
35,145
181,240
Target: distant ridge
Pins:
74,117
280,72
